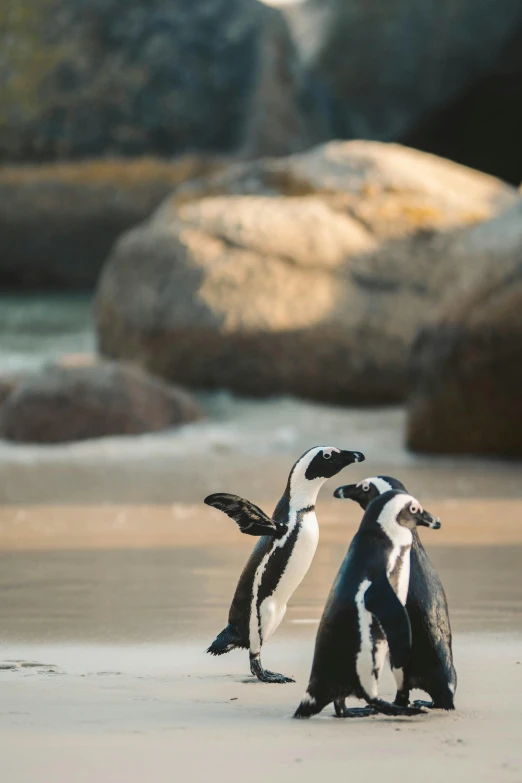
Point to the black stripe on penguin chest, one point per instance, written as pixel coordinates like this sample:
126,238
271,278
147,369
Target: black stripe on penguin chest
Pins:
278,560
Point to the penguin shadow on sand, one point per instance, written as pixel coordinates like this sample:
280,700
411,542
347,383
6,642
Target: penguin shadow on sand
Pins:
377,610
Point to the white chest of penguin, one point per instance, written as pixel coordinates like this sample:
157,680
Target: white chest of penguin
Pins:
399,563
273,607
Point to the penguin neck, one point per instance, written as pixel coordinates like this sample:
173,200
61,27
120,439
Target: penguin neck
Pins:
397,534
302,493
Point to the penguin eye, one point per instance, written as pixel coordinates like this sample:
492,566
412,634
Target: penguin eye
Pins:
365,486
327,455
414,508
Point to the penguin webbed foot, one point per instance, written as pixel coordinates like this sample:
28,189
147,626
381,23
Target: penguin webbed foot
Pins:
394,709
429,705
342,711
263,675
266,676
434,705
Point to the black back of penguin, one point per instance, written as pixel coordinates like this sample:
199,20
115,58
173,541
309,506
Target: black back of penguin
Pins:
431,663
239,614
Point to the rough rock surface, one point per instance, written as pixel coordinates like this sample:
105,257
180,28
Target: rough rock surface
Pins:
58,222
466,364
307,275
81,78
386,66
67,404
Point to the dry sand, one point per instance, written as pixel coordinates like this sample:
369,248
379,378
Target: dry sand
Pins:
167,713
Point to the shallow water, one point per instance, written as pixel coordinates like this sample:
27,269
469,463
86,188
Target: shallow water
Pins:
35,330
172,595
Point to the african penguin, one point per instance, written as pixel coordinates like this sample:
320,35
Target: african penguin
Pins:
431,662
364,618
281,557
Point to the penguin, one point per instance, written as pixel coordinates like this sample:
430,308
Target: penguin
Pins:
431,665
281,557
365,617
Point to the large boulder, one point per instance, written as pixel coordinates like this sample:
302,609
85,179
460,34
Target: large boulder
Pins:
59,221
466,364
386,66
80,78
481,126
307,275
62,404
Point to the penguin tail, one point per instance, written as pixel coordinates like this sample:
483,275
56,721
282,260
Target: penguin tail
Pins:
309,706
227,640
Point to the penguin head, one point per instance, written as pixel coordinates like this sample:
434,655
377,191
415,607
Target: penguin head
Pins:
396,510
368,489
412,514
323,462
317,465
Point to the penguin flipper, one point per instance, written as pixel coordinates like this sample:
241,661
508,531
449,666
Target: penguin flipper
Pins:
381,600
250,519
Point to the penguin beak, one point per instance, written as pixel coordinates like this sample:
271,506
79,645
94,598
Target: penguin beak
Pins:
349,457
349,492
428,520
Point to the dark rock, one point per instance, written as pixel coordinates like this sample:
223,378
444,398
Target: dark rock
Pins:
58,222
77,403
307,275
466,364
481,126
385,66
82,78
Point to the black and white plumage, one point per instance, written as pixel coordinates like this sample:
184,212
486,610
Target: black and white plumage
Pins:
365,618
281,557
431,662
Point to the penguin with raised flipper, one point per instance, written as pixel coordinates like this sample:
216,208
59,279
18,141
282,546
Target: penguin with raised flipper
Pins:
281,557
365,618
431,661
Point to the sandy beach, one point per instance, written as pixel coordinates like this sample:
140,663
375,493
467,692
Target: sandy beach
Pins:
232,231
168,712
115,578
104,678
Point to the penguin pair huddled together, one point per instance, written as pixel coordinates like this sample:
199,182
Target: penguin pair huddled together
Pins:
364,619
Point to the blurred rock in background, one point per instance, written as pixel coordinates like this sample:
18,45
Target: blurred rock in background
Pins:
305,275
59,221
186,142
83,78
441,75
61,404
466,365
